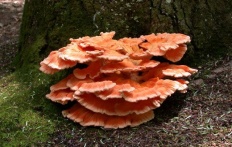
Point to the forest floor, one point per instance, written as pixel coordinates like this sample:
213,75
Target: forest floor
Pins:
202,117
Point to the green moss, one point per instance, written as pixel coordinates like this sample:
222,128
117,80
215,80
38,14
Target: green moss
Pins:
26,116
32,56
42,31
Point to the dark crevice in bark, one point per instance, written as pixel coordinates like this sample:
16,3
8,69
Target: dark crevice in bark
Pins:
188,26
217,23
186,22
174,17
158,7
151,12
93,6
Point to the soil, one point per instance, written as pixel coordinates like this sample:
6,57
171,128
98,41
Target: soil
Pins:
202,117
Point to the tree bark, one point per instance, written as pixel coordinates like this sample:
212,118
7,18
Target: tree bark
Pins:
48,25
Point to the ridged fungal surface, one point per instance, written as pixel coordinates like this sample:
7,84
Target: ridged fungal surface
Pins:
121,84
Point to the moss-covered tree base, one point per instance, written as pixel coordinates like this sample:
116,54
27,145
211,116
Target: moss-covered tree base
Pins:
48,25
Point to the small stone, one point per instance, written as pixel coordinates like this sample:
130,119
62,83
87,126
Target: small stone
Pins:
19,9
12,9
218,70
212,76
16,4
20,14
198,82
1,25
230,64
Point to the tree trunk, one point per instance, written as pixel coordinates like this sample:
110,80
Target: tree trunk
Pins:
48,25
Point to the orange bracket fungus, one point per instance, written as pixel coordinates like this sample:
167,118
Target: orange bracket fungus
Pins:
122,82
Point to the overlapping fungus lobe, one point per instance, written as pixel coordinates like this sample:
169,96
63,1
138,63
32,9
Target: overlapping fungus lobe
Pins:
121,84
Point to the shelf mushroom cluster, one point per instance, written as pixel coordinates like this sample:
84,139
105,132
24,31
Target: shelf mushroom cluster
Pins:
121,84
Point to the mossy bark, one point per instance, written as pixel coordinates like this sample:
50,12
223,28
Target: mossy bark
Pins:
48,25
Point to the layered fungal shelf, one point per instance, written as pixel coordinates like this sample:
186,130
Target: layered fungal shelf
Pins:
121,84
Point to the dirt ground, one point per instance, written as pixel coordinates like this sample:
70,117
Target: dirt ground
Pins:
10,14
202,118
10,19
